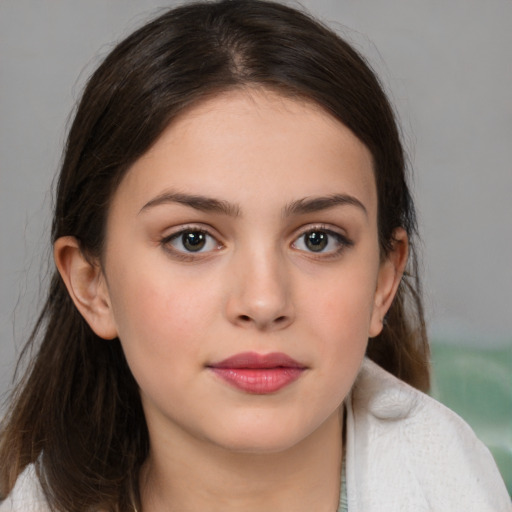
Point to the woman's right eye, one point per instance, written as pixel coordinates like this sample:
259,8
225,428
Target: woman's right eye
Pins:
191,241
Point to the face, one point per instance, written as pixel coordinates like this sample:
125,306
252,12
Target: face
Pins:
242,271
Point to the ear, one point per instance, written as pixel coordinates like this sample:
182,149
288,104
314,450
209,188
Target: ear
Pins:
390,274
86,286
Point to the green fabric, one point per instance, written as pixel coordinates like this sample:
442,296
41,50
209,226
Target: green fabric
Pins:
476,383
343,506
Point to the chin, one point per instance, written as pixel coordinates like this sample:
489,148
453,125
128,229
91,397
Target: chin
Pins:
272,437
258,445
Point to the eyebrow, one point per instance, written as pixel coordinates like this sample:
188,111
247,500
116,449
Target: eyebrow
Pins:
202,203
315,204
210,204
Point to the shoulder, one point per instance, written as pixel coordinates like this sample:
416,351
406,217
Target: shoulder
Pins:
406,451
27,495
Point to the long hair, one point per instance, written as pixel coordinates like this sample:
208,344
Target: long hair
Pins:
77,413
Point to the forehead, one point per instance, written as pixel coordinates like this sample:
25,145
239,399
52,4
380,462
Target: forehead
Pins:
248,145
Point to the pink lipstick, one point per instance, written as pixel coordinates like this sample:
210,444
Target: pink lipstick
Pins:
258,373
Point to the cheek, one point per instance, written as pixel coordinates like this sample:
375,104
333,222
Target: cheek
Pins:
339,319
345,306
160,319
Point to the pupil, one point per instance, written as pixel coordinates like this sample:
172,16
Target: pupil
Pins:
316,241
194,240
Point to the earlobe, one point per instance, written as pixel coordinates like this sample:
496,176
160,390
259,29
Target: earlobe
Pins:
390,275
86,286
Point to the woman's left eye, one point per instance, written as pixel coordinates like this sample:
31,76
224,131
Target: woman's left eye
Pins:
321,241
191,241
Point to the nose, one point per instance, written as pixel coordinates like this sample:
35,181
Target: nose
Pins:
260,292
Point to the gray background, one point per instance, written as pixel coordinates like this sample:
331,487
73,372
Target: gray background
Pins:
446,63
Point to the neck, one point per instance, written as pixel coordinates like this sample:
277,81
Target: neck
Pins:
194,475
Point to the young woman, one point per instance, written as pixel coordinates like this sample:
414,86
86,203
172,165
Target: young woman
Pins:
231,325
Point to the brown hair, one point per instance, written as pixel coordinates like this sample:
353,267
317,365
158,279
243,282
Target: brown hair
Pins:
77,411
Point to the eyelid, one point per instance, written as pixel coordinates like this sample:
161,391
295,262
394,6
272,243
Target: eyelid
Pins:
320,226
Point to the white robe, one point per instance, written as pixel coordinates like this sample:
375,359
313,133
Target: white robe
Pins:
404,452
407,452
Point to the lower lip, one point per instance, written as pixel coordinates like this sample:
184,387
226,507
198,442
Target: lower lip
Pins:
259,381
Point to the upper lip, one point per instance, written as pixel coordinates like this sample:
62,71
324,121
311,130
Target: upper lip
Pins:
256,360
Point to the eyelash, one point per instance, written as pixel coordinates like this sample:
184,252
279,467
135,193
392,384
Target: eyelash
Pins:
341,240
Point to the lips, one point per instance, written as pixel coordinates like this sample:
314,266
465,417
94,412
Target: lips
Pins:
258,373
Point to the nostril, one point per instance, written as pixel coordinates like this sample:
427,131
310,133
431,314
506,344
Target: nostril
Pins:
247,320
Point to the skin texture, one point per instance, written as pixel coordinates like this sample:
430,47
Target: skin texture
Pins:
255,285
